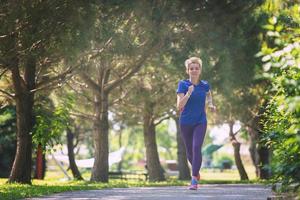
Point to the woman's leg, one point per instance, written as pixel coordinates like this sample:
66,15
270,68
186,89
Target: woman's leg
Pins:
198,138
187,137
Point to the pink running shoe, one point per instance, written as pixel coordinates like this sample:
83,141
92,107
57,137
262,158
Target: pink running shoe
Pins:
194,184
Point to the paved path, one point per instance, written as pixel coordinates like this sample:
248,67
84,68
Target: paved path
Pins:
208,192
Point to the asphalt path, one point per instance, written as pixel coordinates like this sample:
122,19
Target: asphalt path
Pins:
209,192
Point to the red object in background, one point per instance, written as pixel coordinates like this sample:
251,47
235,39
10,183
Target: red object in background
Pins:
39,162
172,165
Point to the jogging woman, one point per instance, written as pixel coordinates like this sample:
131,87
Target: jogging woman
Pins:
192,96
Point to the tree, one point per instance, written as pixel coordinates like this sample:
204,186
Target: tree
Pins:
261,153
150,99
124,26
280,55
33,42
70,145
183,168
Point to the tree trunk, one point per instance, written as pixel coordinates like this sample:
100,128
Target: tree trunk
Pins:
40,162
155,170
21,169
183,168
100,168
261,151
237,157
120,146
259,155
73,166
253,149
263,162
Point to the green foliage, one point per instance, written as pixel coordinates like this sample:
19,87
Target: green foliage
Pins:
219,160
6,115
7,139
45,28
51,123
227,43
132,139
166,142
280,53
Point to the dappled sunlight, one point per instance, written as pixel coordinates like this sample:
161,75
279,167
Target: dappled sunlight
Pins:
145,94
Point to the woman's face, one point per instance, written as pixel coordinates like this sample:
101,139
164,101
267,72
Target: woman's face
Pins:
194,70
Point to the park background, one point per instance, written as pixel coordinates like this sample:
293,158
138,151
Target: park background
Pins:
84,79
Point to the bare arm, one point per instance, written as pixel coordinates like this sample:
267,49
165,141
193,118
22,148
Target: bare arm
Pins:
210,101
182,100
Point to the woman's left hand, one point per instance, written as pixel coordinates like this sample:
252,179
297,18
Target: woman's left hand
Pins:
212,108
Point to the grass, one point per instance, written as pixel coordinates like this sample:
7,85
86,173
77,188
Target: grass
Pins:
215,174
54,183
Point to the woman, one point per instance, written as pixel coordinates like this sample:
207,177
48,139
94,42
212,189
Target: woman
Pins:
192,95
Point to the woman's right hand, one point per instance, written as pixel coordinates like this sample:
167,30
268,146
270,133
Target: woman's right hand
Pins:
191,89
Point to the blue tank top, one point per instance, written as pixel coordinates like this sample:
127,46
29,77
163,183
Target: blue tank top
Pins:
194,110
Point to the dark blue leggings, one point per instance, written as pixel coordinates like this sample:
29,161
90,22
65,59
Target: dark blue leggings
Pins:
193,136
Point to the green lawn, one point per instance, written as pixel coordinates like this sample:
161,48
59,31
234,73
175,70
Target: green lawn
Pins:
216,174
206,174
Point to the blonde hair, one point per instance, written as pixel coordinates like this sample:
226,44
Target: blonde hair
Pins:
191,60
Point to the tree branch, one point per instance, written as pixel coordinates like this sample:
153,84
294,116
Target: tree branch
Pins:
161,120
92,84
254,128
83,115
59,78
50,86
113,84
8,94
124,94
76,134
70,70
18,81
3,36
98,52
3,105
235,133
2,73
78,93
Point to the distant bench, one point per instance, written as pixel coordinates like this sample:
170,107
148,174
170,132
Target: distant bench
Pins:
127,175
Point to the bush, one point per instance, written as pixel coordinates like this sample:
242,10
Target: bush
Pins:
7,139
223,161
281,56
